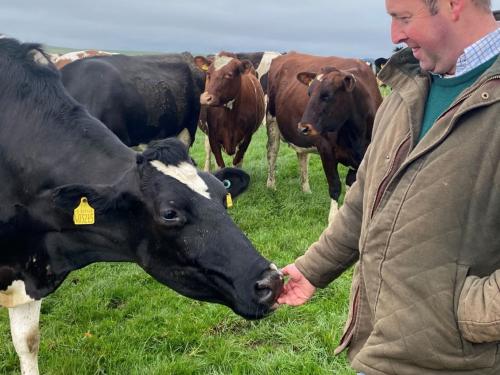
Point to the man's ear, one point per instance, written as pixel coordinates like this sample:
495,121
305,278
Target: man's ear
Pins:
102,198
455,8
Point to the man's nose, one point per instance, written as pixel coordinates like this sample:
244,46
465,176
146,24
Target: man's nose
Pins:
397,33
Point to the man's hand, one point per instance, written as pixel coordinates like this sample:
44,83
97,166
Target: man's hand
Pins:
297,290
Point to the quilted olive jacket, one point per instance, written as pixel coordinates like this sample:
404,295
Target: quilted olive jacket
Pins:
423,219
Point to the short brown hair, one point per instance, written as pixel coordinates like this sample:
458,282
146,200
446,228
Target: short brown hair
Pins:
483,4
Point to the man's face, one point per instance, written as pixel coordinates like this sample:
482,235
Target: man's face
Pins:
426,34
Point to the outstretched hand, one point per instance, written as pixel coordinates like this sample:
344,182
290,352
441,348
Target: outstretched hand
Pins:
298,290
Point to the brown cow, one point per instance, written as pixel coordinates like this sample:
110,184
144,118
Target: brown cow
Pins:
341,102
261,61
235,105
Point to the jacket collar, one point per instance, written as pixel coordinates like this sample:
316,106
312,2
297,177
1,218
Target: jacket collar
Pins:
403,66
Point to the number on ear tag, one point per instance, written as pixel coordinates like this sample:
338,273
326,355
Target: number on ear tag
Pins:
84,214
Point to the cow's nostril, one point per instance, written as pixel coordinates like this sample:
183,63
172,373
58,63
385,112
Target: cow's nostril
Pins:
269,287
304,129
264,294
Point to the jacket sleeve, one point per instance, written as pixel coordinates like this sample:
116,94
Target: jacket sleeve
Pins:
479,308
337,247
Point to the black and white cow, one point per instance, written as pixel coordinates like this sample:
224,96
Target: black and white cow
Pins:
73,194
140,98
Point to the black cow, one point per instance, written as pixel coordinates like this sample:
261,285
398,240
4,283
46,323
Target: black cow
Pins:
139,98
73,194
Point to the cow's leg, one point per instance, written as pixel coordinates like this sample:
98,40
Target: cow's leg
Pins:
208,154
334,208
273,146
329,161
216,149
351,177
242,148
303,158
24,321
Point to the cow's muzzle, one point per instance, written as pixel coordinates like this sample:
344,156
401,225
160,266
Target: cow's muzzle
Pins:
207,99
306,129
269,287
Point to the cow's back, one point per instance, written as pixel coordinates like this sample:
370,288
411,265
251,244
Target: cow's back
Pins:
162,91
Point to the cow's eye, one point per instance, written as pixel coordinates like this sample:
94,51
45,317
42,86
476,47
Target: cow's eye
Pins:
324,96
172,218
169,215
228,76
227,184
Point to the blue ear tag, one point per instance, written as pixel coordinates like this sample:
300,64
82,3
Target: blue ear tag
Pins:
227,184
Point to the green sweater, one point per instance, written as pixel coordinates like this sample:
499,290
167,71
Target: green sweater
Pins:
443,92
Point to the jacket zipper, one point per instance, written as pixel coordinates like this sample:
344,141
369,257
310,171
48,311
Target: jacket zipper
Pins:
347,336
392,170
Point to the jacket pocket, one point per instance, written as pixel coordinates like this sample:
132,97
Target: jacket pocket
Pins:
483,355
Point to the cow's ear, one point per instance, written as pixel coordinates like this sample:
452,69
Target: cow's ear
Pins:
235,180
247,67
306,77
349,82
202,63
102,198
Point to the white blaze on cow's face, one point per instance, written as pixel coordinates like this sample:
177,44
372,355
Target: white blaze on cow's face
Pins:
15,295
221,61
185,173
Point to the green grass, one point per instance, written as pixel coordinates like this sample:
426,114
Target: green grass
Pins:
115,319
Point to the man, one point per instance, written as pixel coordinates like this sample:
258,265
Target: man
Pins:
423,219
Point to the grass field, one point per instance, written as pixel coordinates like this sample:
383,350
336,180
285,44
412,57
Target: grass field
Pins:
115,319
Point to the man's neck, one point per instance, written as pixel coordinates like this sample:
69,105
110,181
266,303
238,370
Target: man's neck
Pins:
472,26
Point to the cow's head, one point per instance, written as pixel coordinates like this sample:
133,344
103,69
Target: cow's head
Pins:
171,219
223,78
330,100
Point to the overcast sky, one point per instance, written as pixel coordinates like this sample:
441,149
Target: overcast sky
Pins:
355,28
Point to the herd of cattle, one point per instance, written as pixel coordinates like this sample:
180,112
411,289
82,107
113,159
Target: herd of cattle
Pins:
74,193
315,104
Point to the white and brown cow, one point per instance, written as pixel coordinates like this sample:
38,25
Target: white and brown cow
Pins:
61,60
235,105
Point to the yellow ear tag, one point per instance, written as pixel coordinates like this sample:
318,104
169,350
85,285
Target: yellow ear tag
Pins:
229,200
204,68
83,214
